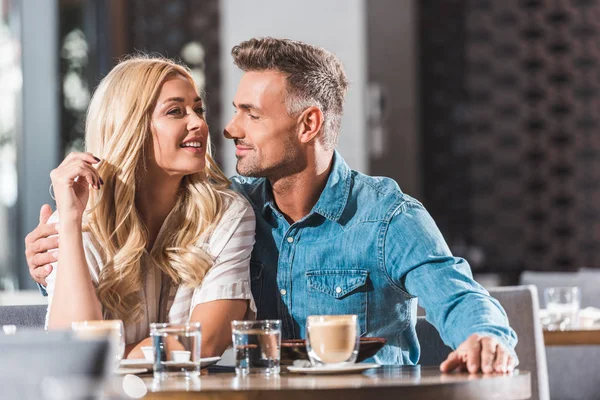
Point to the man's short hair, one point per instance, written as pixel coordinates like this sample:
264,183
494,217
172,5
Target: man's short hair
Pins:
314,77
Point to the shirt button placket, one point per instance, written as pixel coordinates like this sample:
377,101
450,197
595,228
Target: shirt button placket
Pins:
285,285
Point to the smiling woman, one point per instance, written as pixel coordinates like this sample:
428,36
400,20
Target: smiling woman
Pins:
149,231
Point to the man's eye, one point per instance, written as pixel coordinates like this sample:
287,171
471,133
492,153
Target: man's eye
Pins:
254,117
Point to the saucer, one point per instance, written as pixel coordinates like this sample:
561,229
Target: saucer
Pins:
143,363
126,371
346,369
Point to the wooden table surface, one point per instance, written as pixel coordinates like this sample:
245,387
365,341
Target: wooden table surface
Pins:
590,336
387,382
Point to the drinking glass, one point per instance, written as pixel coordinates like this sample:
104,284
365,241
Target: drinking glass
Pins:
332,340
176,349
562,304
257,346
112,327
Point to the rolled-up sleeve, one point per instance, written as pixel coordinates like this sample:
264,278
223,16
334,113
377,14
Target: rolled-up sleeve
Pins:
231,244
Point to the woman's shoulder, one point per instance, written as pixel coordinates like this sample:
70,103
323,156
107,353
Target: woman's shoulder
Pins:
235,205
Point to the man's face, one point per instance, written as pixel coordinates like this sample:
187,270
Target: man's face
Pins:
265,135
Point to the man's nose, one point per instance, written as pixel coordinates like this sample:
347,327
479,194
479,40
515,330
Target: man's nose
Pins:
232,131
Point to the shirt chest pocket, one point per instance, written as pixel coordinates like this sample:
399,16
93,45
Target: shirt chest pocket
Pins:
338,292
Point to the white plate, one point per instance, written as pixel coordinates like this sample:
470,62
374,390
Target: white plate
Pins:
143,363
333,370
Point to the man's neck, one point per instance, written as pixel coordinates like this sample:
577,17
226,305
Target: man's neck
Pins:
296,195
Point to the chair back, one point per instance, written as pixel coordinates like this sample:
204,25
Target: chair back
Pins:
36,364
31,316
433,349
522,308
588,281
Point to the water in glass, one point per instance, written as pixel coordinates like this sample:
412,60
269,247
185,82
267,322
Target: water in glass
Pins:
257,346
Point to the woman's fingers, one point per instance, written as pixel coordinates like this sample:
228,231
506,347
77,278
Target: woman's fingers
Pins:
74,171
87,157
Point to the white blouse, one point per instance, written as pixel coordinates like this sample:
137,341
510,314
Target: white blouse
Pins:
230,243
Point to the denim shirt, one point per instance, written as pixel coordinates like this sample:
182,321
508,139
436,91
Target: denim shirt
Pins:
367,249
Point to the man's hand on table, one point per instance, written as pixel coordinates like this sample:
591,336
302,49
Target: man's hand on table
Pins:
479,353
40,249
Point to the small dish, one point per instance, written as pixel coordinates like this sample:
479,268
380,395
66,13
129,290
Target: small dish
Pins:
133,371
295,349
142,363
324,370
148,353
181,356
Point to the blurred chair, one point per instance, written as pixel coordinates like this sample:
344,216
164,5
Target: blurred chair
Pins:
33,316
572,370
521,306
433,349
588,281
53,365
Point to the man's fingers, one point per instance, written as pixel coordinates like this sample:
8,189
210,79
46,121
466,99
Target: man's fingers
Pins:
511,364
45,244
451,363
488,354
501,364
40,274
473,353
45,213
41,231
41,259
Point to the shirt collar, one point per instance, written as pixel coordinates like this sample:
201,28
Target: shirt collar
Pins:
333,199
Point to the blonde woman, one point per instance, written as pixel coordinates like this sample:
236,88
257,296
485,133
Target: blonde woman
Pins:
149,231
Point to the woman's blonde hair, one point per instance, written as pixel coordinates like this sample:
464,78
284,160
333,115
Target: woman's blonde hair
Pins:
117,130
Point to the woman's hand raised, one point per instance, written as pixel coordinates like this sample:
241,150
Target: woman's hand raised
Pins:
71,181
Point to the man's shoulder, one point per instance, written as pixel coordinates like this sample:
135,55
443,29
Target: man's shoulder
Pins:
381,194
252,189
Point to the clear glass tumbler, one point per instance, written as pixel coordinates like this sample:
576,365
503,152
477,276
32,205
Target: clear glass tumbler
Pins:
176,349
257,346
562,304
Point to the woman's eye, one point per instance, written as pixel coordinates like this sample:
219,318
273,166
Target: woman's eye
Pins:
174,111
199,110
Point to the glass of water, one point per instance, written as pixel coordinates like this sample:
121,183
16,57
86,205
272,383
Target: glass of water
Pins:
562,304
176,349
257,346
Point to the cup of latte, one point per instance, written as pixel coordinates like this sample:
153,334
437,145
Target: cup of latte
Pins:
332,340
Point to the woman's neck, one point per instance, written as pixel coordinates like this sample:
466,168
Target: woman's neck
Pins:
155,198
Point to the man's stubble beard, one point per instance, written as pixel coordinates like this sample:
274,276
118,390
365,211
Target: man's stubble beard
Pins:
290,164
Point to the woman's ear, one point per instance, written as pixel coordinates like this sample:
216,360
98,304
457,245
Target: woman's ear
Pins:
310,122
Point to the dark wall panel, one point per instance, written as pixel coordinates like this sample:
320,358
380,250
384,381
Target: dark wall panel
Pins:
510,90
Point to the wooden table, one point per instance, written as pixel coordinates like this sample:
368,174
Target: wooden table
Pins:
388,382
577,337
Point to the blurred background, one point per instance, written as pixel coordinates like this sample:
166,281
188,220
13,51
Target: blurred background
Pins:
486,111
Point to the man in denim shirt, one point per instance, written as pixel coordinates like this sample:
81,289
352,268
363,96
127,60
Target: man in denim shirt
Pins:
330,240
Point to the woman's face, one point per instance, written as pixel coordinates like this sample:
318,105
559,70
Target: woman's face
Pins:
179,130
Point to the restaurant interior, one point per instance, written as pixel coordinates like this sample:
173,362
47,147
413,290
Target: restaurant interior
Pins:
483,110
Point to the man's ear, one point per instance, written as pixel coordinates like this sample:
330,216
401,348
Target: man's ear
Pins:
310,122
